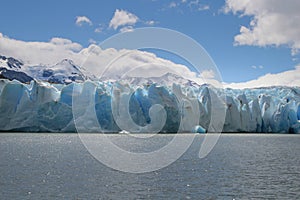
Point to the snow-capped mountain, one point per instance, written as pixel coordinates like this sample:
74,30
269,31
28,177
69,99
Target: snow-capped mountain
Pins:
11,68
67,71
165,80
63,72
10,62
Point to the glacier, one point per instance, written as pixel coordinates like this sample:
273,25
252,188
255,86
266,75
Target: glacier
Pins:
41,106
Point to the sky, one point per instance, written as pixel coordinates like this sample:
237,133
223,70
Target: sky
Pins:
249,40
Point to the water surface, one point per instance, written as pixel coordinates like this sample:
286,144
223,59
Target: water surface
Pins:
56,166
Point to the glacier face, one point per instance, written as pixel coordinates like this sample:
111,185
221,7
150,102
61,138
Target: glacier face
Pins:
45,107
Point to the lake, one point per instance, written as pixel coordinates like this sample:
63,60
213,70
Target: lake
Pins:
58,166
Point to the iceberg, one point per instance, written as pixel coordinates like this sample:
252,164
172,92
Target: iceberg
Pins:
145,107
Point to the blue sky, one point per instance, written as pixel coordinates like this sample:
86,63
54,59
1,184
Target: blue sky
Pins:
205,21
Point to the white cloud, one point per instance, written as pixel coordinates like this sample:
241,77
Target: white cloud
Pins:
288,78
273,22
92,41
122,18
173,5
93,58
150,22
207,74
126,29
257,67
196,4
203,7
80,20
98,30
125,62
39,52
140,63
193,5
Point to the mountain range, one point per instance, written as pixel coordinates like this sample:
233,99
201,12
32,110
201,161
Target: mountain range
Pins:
67,71
63,72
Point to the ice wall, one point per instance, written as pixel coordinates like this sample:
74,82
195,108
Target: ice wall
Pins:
43,107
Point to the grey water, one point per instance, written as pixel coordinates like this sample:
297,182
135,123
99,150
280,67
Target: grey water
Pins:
58,166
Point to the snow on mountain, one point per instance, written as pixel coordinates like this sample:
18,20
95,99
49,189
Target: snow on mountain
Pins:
166,79
10,63
67,71
63,72
11,69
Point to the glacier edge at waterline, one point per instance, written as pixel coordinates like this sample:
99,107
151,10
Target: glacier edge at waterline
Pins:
45,107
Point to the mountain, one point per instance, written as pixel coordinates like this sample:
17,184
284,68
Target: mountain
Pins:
165,80
63,72
11,68
67,71
10,62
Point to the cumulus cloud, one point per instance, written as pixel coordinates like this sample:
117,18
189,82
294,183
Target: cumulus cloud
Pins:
273,22
100,62
39,52
80,20
122,18
288,78
207,74
112,63
116,63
